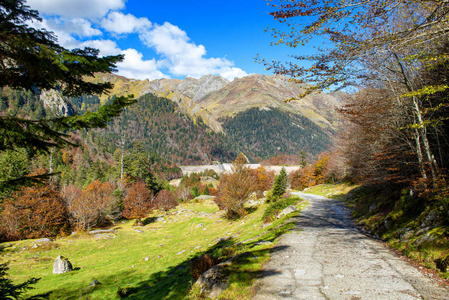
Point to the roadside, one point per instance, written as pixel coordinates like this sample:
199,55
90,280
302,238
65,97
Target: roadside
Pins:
326,257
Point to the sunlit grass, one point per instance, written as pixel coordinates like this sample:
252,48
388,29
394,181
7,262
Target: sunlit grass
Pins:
154,263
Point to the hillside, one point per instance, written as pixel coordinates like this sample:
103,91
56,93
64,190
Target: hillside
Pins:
211,118
213,97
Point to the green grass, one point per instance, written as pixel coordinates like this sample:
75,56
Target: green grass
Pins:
120,262
336,191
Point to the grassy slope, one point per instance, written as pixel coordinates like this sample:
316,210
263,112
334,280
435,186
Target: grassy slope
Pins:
120,262
397,218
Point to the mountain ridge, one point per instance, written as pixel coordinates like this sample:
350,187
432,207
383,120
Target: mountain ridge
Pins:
213,97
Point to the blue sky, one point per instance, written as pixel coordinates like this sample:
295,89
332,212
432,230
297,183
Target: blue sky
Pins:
167,38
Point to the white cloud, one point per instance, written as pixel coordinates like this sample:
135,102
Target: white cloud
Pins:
76,8
232,73
186,58
134,66
106,47
119,23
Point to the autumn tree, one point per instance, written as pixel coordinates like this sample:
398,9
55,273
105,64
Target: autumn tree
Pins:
235,187
264,180
138,201
165,200
382,45
90,209
34,212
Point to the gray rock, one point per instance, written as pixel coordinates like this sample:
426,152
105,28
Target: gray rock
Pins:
94,283
372,207
99,231
263,243
159,219
146,258
428,237
287,210
213,281
200,225
44,240
105,236
431,218
138,231
62,265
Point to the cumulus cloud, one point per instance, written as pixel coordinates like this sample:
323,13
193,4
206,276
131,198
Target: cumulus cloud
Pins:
120,23
74,21
134,66
186,58
90,9
106,47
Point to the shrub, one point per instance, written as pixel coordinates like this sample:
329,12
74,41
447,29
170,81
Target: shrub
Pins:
138,201
276,207
202,264
165,200
235,188
34,212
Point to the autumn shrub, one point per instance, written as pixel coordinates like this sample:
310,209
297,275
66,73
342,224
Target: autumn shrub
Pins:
234,189
138,201
34,212
264,180
165,200
90,207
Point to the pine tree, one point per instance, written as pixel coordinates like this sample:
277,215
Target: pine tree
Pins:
33,61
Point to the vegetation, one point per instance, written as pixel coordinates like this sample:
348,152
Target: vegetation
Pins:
235,188
263,134
170,246
33,61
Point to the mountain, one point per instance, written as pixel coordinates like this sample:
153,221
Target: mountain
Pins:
194,121
213,97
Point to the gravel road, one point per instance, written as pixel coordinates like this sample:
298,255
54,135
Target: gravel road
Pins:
326,257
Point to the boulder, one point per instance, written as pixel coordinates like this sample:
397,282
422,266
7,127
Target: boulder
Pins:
94,283
431,218
62,265
200,225
214,281
287,210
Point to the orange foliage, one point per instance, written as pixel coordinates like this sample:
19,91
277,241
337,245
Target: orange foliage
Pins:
165,200
34,212
311,175
138,201
89,209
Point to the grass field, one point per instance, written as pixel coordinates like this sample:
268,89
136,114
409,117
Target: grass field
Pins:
152,261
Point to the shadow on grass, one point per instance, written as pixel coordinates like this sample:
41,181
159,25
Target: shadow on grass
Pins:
176,281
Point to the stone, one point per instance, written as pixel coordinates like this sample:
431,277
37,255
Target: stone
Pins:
200,225
44,240
431,218
138,231
100,231
159,219
287,210
62,265
213,281
146,258
428,237
94,283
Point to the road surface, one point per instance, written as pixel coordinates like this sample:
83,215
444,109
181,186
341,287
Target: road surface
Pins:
325,257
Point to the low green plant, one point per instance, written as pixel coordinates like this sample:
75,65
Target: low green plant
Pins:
274,208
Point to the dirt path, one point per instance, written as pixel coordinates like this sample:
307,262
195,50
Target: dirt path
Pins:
325,257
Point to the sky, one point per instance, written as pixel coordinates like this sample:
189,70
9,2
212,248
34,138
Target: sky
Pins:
167,38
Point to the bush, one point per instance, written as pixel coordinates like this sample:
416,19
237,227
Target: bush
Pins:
276,207
165,200
34,212
235,188
138,201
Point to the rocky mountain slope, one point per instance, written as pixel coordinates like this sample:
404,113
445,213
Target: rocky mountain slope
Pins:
213,97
